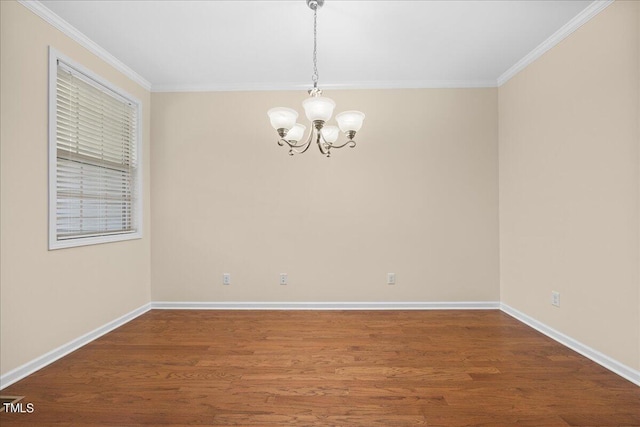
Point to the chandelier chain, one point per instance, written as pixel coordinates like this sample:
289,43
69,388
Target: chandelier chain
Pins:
315,48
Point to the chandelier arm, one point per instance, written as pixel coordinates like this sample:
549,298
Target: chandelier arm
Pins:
329,145
304,145
323,146
293,150
305,148
283,141
351,143
310,137
321,136
307,144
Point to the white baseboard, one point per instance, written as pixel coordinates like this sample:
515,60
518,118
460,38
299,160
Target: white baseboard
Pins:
40,362
462,305
588,352
50,357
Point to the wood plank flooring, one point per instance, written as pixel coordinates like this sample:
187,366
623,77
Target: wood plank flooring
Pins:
325,368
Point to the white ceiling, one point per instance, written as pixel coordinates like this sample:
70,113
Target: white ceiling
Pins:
231,45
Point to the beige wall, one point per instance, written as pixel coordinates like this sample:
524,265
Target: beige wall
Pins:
569,185
49,298
417,196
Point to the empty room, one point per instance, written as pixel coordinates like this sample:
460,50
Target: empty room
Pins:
319,213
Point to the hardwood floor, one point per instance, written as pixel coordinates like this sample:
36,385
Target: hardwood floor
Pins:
325,368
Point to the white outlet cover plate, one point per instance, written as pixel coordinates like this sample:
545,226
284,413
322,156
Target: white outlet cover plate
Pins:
555,298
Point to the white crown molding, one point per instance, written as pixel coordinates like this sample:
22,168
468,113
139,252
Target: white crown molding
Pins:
582,18
457,305
587,14
45,13
588,352
233,87
40,362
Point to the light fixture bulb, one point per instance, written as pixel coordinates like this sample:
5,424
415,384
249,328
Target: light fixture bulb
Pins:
296,132
350,121
330,133
282,117
318,108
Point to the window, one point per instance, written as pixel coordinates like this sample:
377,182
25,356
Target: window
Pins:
94,161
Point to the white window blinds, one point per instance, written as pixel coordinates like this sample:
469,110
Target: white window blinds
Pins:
96,162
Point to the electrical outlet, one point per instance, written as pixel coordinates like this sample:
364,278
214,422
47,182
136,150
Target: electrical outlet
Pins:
226,279
283,278
391,278
555,298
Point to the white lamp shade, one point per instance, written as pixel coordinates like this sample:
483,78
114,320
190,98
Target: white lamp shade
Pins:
296,132
330,133
282,117
318,108
350,121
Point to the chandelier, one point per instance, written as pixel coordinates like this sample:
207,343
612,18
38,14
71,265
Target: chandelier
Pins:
318,110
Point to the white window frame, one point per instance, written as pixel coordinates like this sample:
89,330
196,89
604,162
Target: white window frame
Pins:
54,243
